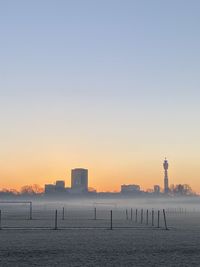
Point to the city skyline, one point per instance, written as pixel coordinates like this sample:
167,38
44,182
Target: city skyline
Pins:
77,174
110,86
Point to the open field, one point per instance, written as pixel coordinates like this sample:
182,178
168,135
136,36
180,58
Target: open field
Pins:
83,241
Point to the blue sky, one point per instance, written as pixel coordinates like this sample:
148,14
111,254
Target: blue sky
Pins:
100,75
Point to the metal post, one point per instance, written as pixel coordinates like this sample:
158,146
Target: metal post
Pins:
165,220
136,215
111,225
158,219
152,218
131,214
141,216
63,213
147,217
56,220
30,211
126,214
95,213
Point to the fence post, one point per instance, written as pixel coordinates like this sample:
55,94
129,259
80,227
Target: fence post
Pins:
147,217
141,214
126,214
56,220
0,221
131,214
111,225
158,219
136,215
95,213
152,218
63,213
165,220
30,211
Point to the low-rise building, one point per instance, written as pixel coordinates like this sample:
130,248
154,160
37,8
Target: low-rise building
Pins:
131,188
58,187
49,188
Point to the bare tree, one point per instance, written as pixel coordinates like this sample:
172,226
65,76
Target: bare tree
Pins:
31,189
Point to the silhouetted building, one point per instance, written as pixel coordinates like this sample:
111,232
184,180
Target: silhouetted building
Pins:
79,180
60,186
49,188
166,180
131,188
156,189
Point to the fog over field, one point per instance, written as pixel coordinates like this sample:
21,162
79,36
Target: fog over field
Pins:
84,237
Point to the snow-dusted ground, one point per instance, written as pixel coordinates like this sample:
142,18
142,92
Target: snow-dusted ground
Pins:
82,241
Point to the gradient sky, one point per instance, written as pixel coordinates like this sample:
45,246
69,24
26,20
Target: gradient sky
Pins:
109,85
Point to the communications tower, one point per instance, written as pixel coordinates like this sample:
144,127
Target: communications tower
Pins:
166,181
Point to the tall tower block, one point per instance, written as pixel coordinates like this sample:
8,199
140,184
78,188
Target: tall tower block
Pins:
166,180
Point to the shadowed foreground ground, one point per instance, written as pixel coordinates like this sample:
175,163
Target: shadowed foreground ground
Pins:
122,247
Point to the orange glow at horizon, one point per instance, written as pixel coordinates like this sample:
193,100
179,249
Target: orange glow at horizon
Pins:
103,178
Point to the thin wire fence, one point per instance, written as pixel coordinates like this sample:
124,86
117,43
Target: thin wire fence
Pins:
66,217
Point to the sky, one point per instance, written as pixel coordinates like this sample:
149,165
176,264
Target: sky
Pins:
108,85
